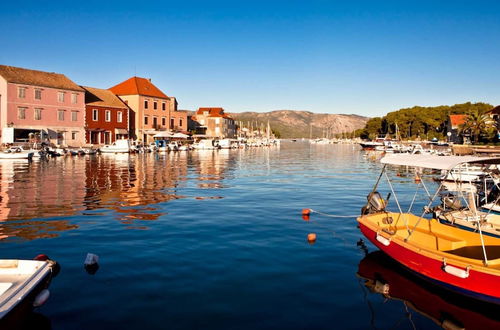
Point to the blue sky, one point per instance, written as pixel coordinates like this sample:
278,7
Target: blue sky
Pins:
363,57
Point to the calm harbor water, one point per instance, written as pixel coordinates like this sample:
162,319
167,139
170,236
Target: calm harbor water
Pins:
208,239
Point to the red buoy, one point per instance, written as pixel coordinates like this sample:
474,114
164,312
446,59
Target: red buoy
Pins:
41,257
311,238
306,217
306,211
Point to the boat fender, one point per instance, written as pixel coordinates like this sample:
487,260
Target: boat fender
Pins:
384,241
455,271
382,288
41,298
448,324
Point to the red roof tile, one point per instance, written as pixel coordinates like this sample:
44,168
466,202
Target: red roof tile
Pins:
457,120
138,86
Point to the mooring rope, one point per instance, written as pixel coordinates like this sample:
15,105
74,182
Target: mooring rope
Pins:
334,215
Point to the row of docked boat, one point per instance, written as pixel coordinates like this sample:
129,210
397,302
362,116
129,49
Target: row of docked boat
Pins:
125,146
452,241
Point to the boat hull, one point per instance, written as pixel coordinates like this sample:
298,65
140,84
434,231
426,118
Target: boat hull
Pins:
479,285
17,316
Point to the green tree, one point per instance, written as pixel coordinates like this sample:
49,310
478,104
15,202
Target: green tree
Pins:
476,124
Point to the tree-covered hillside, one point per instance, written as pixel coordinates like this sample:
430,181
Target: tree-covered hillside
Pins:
415,122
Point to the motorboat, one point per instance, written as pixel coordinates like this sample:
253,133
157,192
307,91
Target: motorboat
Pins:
206,145
119,146
16,153
382,276
464,261
228,144
23,286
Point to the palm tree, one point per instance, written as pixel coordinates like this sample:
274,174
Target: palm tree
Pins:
477,122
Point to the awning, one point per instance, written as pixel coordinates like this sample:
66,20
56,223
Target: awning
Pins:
150,132
436,162
121,131
180,136
163,134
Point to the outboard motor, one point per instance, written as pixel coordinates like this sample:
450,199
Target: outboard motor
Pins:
375,203
451,202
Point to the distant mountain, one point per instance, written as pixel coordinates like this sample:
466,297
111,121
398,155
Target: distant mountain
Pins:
298,124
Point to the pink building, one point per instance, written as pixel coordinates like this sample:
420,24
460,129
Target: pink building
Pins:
40,105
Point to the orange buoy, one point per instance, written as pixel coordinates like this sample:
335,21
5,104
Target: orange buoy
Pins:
306,217
417,178
311,238
306,211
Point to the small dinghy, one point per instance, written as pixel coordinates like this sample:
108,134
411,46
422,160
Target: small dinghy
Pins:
23,286
16,153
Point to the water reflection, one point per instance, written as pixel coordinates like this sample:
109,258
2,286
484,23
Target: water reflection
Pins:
385,277
36,196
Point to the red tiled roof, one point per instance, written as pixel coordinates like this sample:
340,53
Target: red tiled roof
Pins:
138,86
212,112
37,78
457,120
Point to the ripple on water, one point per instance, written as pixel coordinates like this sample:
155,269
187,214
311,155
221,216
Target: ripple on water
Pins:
198,240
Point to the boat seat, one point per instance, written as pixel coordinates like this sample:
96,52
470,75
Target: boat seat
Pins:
476,252
433,240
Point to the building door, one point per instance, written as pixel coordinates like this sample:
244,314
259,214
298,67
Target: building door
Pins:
107,138
94,137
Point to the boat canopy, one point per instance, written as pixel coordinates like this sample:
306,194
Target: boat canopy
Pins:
435,161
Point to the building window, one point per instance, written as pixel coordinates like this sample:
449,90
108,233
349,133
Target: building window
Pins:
163,106
107,115
74,98
95,114
38,114
73,135
217,121
163,121
60,115
38,94
74,115
172,122
146,120
155,105
145,104
60,96
180,122
21,92
21,113
119,117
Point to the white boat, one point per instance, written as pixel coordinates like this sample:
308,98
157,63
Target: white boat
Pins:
23,286
206,145
228,144
119,146
16,153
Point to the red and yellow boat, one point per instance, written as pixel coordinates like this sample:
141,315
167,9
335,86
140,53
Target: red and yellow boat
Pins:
463,261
